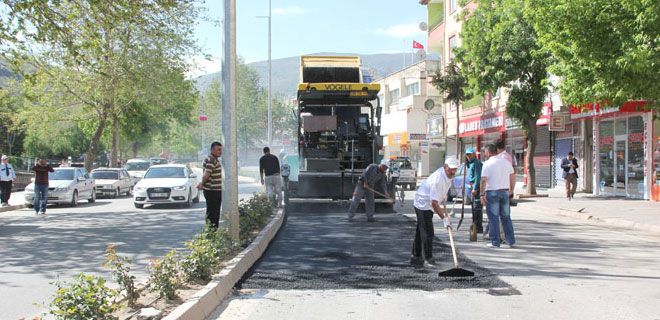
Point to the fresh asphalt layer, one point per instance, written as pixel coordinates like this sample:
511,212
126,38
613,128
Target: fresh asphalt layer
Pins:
324,251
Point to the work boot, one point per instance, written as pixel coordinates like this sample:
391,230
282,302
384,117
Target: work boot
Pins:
416,262
372,219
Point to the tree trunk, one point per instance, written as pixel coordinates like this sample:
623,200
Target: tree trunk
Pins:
134,148
531,148
93,150
114,154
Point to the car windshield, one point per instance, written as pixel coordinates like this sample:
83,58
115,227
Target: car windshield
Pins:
165,172
61,175
403,164
158,161
111,175
137,166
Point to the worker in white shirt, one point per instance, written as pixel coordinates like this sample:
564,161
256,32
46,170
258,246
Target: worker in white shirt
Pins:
428,199
7,177
497,181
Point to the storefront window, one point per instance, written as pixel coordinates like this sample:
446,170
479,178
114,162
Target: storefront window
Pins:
621,126
606,157
635,170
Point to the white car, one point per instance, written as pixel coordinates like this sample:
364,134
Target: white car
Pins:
65,186
136,168
112,182
166,183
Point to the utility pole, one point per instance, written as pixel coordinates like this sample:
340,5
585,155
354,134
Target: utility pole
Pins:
270,81
270,78
229,157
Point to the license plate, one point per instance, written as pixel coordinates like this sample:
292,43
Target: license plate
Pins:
158,195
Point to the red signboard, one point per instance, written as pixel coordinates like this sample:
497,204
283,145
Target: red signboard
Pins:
203,117
481,124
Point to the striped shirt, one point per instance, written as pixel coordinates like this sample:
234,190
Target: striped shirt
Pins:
41,173
212,166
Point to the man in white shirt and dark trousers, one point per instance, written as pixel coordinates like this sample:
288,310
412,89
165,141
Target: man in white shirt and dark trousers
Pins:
430,194
497,182
7,176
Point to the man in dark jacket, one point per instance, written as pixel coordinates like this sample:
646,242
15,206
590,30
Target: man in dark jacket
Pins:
41,171
372,176
570,165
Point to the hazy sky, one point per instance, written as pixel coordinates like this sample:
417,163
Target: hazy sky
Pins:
301,27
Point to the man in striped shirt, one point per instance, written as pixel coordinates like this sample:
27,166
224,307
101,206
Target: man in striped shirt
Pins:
212,184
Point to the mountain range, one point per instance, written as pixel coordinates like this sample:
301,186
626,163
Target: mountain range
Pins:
285,71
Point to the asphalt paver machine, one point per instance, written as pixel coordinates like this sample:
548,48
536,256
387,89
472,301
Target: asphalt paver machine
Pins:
338,132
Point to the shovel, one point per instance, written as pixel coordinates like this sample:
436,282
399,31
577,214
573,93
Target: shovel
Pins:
456,271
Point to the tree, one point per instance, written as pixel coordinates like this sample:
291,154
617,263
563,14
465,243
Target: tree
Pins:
98,54
500,49
452,83
603,50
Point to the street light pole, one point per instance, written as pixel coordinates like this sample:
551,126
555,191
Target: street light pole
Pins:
270,81
229,157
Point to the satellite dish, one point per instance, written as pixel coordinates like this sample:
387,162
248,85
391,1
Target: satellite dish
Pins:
420,54
423,26
429,104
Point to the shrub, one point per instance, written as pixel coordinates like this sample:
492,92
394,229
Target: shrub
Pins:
164,275
253,214
201,260
86,297
121,273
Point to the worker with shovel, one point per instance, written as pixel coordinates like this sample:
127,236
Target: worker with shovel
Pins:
374,174
428,199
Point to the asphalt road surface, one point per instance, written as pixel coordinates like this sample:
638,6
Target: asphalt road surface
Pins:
561,268
36,250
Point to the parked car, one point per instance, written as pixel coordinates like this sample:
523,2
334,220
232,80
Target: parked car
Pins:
136,168
456,189
406,174
168,183
66,186
112,182
155,161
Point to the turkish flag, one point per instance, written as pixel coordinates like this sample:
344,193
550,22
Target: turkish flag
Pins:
417,45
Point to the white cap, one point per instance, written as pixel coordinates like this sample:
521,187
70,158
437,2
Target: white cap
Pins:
4,156
385,163
452,163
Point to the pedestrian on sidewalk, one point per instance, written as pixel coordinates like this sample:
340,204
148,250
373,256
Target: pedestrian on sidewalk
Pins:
7,177
570,165
212,184
497,181
269,166
373,175
430,194
41,170
474,182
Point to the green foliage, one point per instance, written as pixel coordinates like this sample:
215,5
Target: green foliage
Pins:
164,275
121,273
452,83
253,214
603,50
202,259
86,297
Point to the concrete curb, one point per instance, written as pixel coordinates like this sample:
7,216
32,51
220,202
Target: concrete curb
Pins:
205,301
12,207
613,222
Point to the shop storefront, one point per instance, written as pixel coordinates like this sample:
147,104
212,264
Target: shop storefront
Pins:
478,131
622,153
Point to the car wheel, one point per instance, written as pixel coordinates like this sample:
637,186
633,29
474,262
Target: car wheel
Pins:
93,198
74,198
29,206
139,206
413,186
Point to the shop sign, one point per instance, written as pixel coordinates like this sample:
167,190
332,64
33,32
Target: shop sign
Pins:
546,111
557,123
596,109
398,138
480,125
416,136
435,126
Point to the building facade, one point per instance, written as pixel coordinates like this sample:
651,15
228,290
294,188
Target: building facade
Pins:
404,117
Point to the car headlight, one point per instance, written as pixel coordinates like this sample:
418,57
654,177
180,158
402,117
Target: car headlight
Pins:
139,188
29,189
62,189
179,188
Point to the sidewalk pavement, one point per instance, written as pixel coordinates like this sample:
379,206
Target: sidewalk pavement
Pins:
613,211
